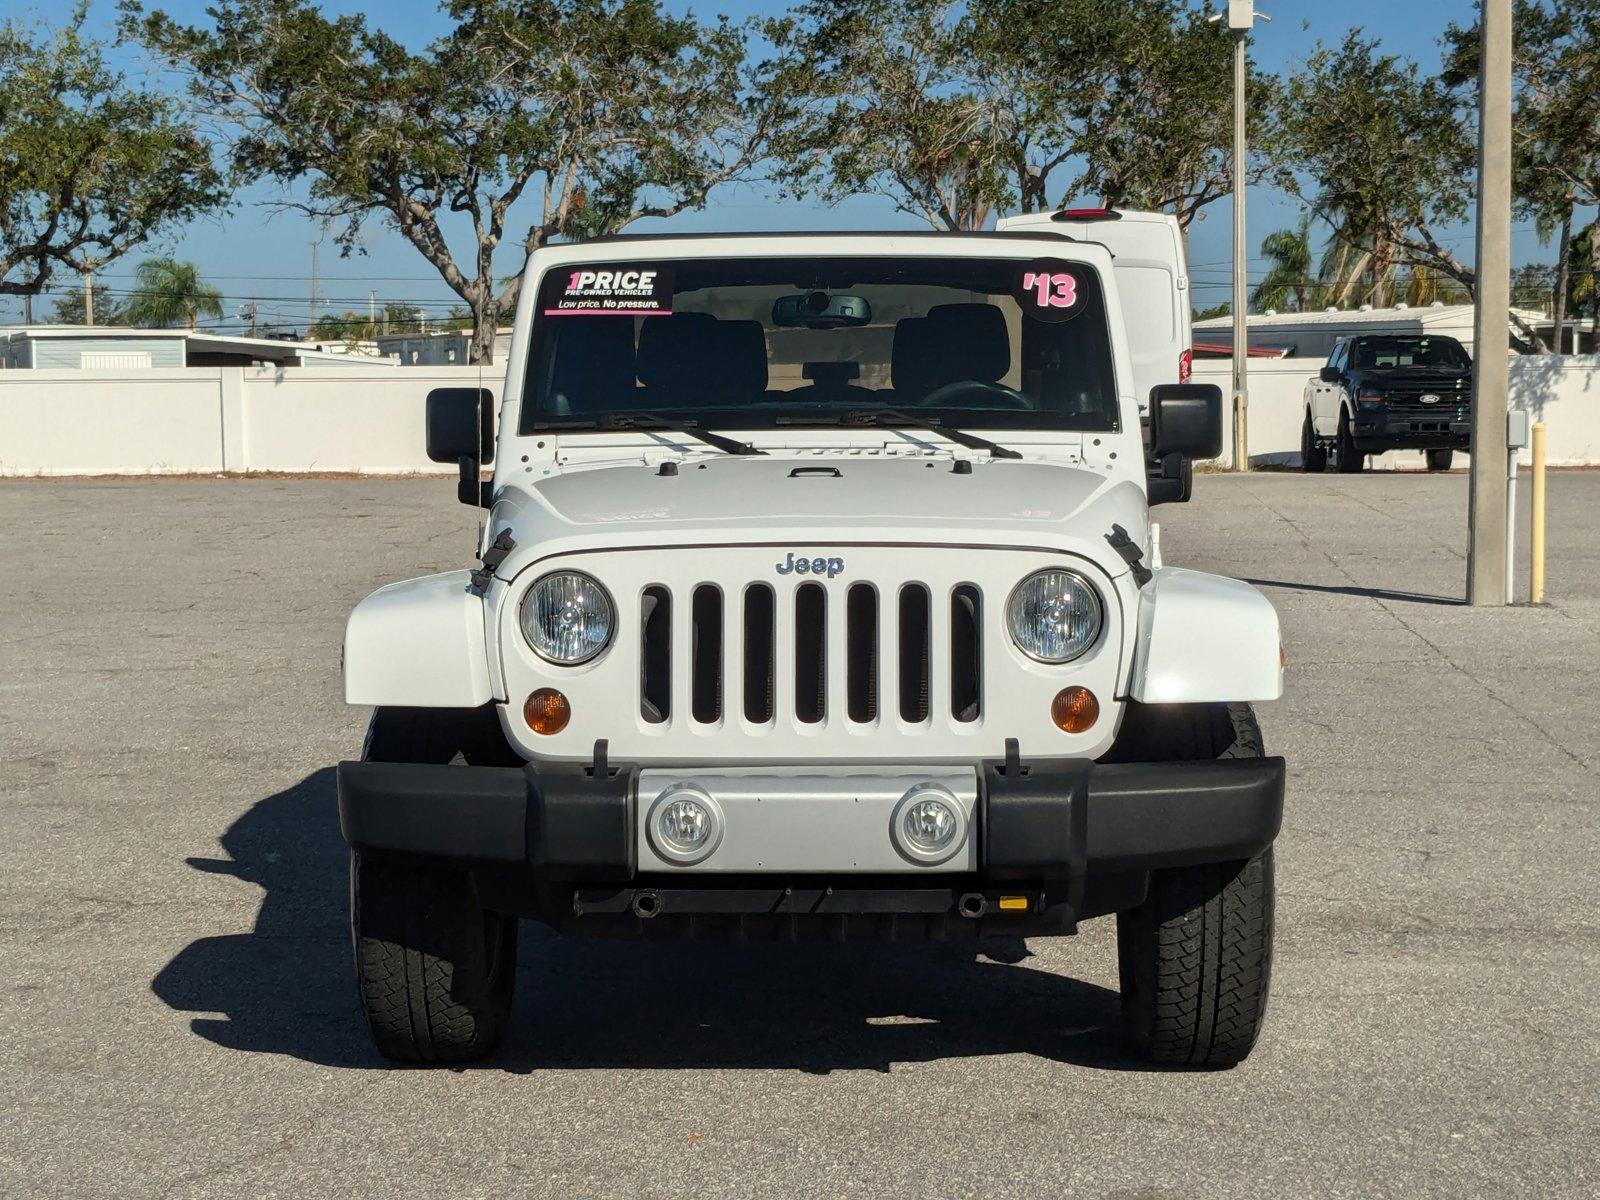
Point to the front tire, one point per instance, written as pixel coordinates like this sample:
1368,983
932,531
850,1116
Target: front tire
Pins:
1351,460
1313,454
1439,460
435,970
1194,959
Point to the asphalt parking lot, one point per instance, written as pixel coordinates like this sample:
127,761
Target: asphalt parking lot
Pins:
180,1017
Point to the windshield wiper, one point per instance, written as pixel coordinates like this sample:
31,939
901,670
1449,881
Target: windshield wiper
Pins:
648,421
890,417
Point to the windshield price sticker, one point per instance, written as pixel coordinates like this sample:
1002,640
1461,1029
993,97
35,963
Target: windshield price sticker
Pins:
621,290
1049,290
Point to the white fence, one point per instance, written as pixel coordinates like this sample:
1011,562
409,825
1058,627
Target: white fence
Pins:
205,420
1563,392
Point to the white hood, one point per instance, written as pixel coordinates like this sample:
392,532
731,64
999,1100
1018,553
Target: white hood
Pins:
807,499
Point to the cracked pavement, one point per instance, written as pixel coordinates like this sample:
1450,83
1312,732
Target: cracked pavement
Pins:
180,1015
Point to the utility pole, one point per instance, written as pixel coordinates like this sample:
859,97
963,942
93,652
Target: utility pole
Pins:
88,297
312,306
1241,16
1486,511
372,309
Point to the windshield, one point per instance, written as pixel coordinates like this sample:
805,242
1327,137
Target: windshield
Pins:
754,342
1411,352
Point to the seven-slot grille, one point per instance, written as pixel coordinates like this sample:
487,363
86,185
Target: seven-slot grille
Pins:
860,653
886,653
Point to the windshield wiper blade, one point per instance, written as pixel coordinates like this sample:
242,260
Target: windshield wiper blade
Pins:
891,416
648,421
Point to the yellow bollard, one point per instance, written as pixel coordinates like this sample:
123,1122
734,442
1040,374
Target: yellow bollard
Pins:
1536,517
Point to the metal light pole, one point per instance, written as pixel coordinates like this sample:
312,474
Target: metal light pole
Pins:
1241,16
1487,528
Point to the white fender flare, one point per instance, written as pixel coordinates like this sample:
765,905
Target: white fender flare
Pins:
1205,638
418,643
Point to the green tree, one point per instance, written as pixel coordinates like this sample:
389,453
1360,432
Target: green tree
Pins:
89,167
350,326
169,292
1388,154
67,307
1289,276
599,112
1555,130
953,111
1225,309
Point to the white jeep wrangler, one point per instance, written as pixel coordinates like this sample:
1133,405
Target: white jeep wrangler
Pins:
818,597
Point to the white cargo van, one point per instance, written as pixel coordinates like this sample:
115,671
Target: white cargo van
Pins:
1152,278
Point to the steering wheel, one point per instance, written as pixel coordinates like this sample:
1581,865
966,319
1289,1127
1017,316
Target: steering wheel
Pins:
941,396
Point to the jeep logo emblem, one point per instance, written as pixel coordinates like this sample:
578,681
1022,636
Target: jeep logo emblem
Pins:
1429,398
810,566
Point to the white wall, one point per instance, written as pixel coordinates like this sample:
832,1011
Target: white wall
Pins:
203,420
1564,393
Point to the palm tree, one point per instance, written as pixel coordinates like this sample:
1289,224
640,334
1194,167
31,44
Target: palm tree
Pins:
1289,252
170,293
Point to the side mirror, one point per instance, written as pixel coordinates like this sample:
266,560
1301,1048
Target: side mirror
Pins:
1329,374
460,429
1172,482
1186,420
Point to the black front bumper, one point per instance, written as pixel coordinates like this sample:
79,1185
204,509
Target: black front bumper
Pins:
1376,431
1072,837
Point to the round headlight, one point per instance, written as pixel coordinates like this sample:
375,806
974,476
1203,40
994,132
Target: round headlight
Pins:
1053,615
568,618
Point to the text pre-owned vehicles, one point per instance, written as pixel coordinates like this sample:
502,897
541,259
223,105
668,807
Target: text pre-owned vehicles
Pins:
818,597
1388,391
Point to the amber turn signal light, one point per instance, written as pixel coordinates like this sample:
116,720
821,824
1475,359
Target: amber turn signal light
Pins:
547,711
1074,709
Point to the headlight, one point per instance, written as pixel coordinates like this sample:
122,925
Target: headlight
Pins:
568,618
1053,615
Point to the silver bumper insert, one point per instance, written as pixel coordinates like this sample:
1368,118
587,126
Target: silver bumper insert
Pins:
834,820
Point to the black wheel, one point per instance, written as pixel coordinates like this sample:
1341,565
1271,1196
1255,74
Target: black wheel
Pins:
1350,460
1313,454
1194,960
435,969
1439,460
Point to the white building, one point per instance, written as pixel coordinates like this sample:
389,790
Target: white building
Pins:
115,348
1312,334
442,348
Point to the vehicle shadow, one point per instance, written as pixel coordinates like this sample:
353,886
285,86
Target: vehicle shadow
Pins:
287,986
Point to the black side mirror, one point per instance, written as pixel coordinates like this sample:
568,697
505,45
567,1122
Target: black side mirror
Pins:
460,429
1172,482
1329,374
1186,420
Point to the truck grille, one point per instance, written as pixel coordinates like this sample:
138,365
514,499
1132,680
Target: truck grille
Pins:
798,659
1405,400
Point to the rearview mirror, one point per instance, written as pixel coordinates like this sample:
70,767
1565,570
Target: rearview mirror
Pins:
1329,374
460,429
1186,419
820,310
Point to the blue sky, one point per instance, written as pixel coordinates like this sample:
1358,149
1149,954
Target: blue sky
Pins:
253,252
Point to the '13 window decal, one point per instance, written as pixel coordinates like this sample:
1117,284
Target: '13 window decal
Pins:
1049,290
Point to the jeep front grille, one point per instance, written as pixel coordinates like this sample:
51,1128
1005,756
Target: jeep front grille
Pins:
838,663
721,655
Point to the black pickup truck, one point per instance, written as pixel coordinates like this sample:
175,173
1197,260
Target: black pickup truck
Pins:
1382,392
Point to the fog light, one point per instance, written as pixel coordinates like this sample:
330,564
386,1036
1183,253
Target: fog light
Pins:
685,825
1074,709
929,825
547,711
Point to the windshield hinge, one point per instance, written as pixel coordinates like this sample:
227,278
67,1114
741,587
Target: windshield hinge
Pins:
492,558
1131,554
